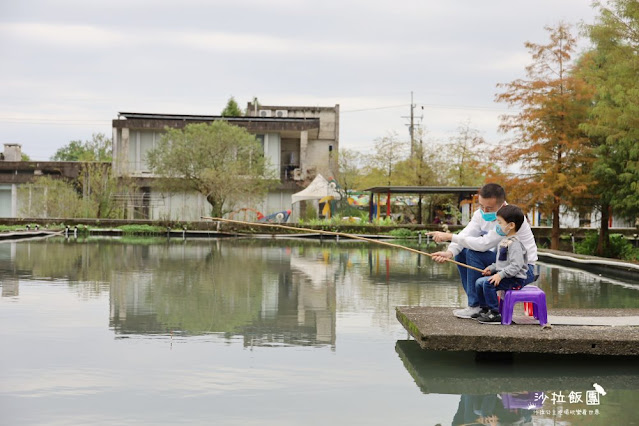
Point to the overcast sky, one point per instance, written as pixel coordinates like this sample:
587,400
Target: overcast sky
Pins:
68,67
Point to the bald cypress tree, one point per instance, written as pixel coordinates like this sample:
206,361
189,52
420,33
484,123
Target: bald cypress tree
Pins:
547,142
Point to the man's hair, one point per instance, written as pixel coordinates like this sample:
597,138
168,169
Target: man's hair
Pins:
493,190
512,213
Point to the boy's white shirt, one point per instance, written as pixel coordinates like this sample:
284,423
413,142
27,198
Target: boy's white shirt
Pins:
480,235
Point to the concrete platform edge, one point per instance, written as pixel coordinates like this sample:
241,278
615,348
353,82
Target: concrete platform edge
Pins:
436,329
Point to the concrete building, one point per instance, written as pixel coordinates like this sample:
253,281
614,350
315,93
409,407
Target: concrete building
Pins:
300,142
15,172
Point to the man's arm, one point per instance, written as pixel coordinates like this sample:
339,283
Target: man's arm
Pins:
478,243
472,229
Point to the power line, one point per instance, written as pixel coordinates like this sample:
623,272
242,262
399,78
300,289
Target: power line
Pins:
480,108
375,108
53,124
78,122
53,121
436,106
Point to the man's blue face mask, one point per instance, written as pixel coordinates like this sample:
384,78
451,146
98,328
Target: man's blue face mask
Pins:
488,217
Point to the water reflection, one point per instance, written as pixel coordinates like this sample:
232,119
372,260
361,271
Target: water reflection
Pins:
496,408
271,292
572,288
258,292
8,273
268,294
531,388
296,324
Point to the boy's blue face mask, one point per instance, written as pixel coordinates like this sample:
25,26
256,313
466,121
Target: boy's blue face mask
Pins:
488,217
500,231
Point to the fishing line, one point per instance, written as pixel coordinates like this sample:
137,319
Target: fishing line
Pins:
341,234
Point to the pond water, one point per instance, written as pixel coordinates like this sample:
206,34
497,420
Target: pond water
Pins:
272,332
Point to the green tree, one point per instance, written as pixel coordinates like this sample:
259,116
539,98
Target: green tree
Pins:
548,143
91,195
350,169
467,153
232,109
99,148
419,169
612,67
25,157
382,164
103,194
49,197
223,162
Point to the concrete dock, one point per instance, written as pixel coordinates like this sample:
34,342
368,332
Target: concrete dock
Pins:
437,329
19,235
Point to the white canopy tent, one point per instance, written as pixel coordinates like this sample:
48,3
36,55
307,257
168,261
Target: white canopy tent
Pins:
317,190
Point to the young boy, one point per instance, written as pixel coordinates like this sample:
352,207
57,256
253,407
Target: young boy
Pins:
509,269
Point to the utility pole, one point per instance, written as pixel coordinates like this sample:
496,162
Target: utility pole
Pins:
411,126
414,150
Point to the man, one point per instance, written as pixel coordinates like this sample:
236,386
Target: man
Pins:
475,245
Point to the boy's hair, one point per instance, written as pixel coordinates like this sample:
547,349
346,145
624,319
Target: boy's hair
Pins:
512,213
493,190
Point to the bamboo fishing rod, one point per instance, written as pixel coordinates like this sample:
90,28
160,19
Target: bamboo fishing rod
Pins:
341,234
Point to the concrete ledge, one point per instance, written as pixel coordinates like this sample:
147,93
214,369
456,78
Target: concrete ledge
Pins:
437,329
19,235
173,233
598,265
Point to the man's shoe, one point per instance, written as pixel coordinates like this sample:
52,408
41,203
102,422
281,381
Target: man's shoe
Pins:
490,318
466,312
483,311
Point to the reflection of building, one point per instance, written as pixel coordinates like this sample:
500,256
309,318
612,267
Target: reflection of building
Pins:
298,306
10,287
234,288
9,279
131,310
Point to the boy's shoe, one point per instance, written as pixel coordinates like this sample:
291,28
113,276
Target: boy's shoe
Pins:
483,311
466,312
490,318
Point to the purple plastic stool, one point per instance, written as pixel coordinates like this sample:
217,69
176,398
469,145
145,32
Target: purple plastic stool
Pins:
529,293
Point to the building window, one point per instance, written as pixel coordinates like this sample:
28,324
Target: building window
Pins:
140,143
260,139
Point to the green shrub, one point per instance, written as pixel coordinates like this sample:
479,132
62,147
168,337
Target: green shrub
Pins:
9,228
619,248
140,229
402,233
309,213
384,221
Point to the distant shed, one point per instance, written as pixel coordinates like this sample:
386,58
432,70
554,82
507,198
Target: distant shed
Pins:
463,192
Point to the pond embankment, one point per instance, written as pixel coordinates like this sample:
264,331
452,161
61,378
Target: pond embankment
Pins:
598,265
211,229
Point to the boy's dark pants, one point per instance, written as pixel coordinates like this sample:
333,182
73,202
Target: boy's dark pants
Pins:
487,291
